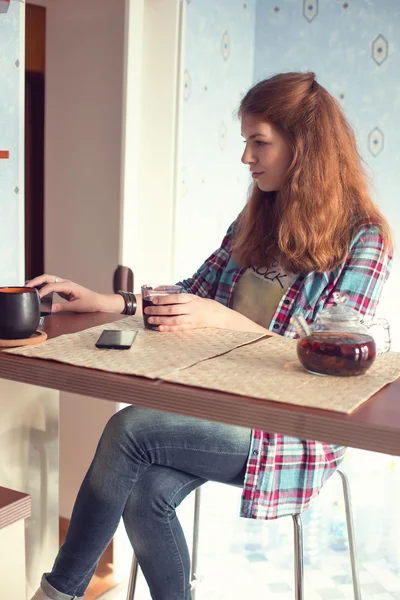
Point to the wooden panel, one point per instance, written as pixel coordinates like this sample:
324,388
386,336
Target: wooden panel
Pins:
35,39
13,506
34,174
375,426
35,54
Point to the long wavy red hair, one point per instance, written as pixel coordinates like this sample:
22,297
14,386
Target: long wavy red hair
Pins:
309,223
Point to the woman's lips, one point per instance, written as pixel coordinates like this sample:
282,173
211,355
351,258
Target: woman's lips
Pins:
255,175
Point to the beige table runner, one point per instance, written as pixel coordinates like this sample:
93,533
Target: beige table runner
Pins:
270,370
152,354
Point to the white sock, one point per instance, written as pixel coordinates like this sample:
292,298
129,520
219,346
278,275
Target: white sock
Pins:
40,595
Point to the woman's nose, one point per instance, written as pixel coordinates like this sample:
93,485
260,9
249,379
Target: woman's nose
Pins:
247,158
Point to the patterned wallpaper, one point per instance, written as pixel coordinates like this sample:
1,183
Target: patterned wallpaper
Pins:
352,45
219,59
11,175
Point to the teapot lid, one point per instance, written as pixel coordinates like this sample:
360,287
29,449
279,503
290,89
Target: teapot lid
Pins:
340,312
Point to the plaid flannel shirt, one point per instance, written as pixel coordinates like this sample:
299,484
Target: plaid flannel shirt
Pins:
284,473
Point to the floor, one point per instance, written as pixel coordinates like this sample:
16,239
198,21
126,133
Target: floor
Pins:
240,557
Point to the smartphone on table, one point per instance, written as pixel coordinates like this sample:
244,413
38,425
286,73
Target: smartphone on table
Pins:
115,339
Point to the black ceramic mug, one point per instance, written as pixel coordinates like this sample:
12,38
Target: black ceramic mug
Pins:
19,312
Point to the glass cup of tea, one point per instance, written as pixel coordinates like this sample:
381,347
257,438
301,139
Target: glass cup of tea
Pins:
149,292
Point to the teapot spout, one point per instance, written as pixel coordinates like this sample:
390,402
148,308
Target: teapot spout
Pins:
301,326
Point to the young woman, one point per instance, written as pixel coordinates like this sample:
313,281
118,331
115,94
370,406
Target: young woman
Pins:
308,230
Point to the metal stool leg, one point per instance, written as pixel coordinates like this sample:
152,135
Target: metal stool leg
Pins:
298,557
351,535
195,579
132,579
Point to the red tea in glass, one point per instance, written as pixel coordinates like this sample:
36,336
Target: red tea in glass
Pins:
149,293
148,302
337,353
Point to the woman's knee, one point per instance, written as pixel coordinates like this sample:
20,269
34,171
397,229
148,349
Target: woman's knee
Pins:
117,434
127,422
159,491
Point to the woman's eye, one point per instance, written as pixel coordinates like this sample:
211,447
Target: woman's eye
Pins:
257,143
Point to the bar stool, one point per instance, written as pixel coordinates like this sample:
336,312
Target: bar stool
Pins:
298,548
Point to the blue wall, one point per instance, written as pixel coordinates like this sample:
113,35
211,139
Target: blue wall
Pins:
11,126
218,62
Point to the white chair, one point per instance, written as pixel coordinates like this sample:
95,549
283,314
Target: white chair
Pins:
298,548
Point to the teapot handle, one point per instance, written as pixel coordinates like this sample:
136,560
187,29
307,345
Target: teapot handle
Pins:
301,326
387,341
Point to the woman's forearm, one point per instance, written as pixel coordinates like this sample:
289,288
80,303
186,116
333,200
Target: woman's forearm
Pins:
114,303
227,319
238,322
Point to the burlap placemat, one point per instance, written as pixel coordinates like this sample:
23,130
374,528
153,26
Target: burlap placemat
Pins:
270,370
152,354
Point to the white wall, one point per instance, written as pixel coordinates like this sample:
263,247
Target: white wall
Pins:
84,99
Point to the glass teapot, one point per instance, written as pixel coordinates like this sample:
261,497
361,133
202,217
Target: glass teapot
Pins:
340,342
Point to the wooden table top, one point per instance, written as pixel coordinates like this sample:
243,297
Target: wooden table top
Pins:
374,426
13,506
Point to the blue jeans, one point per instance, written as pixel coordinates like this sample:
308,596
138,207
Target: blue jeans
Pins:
146,463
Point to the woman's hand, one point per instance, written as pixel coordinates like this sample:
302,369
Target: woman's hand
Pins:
180,312
78,299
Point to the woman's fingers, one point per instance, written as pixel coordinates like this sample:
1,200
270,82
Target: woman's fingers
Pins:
66,307
170,321
63,288
172,299
78,298
170,328
170,305
173,309
49,284
37,281
41,279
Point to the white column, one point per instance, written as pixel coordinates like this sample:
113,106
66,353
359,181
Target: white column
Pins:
12,563
153,78
153,51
